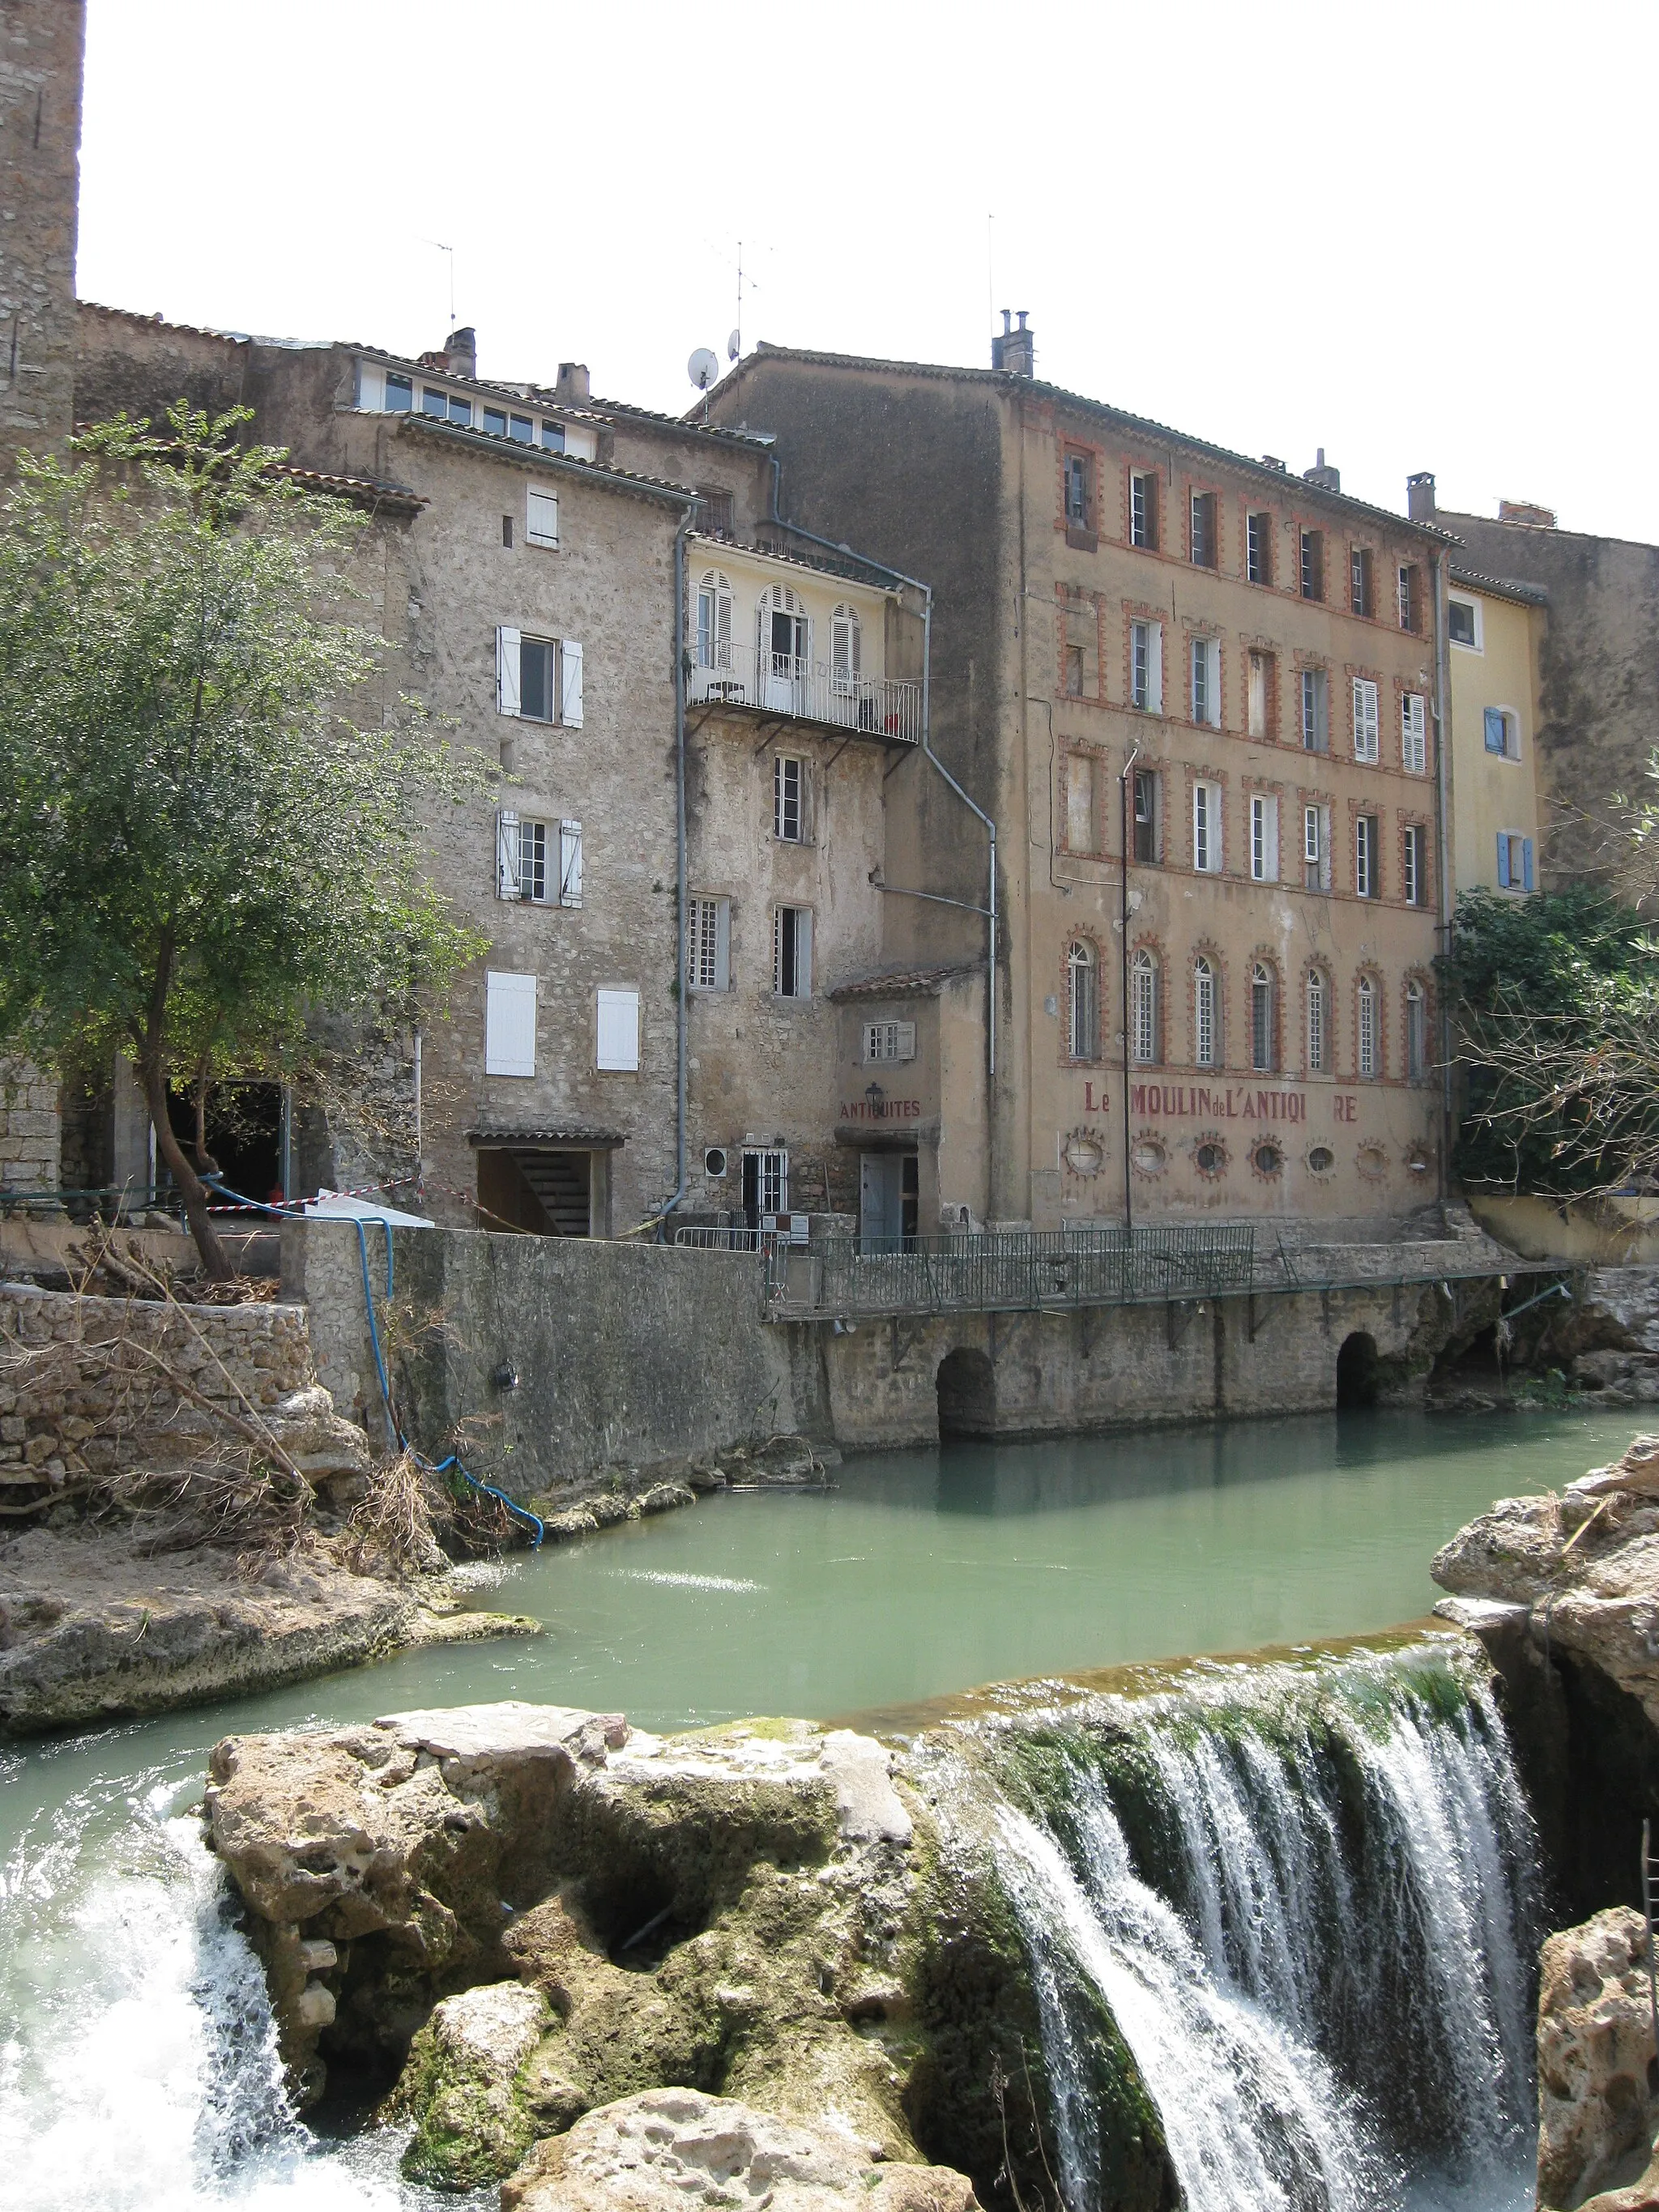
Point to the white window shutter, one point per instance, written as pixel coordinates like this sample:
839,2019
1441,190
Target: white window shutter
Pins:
722,944
542,518
509,1024
618,1030
1155,667
371,387
1270,840
506,672
570,683
906,1041
507,883
570,864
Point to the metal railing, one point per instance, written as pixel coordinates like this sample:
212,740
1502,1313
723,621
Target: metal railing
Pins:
785,683
708,1239
1012,1269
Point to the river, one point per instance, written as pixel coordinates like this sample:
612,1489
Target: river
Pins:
136,2066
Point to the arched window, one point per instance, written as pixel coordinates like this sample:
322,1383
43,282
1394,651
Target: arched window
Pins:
714,621
1083,1000
1264,1019
1144,1009
1417,1031
1206,1014
1368,1049
1318,1022
783,637
846,648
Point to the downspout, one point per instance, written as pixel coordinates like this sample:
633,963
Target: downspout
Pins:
681,995
1129,770
1442,769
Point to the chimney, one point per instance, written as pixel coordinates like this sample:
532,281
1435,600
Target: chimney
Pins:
572,388
461,352
1420,495
1328,479
1522,510
1014,351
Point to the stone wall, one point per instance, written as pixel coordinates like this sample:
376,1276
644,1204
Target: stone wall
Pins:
41,43
31,1132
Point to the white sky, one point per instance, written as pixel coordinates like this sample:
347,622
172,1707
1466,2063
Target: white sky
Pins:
1420,235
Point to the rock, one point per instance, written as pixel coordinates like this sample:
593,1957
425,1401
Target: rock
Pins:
1636,1470
1511,1553
1595,2043
669,2148
866,1803
460,2087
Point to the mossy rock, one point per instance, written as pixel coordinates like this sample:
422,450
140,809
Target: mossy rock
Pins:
460,2086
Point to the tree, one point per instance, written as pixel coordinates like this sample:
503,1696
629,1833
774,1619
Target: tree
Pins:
202,852
1555,1008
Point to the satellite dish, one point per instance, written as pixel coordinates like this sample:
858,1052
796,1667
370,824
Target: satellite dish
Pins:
703,368
734,345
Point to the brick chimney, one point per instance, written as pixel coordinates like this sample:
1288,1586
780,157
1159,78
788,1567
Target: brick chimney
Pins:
572,388
1420,495
461,352
1522,510
1014,351
1328,479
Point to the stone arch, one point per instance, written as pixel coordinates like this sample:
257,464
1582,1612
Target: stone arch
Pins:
966,1383
1357,1375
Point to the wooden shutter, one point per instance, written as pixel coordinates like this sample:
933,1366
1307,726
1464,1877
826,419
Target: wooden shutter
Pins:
1526,864
542,518
570,683
803,952
722,944
1503,860
570,864
1494,718
618,1030
906,1041
508,884
506,672
1270,840
1155,667
509,1024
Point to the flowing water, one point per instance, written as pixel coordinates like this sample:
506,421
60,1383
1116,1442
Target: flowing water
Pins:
1296,1862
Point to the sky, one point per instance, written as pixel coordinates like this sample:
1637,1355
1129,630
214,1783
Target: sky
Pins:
1418,236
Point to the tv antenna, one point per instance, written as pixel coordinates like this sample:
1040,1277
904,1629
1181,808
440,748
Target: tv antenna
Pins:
450,251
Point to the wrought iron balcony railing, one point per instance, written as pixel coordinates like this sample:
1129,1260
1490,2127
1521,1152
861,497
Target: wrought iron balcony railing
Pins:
785,683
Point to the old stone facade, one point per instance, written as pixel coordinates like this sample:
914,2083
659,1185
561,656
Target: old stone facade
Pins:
1140,640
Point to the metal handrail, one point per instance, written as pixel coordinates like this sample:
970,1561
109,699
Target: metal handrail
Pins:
707,1239
788,684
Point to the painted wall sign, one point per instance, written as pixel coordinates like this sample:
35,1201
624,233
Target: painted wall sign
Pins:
1218,1101
881,1110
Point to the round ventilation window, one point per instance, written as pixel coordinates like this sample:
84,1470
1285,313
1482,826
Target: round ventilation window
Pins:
1084,1155
1373,1161
1267,1159
1212,1158
1322,1159
714,1161
1150,1157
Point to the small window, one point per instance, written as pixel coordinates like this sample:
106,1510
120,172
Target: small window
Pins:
708,944
1414,734
888,1041
1211,1157
712,512
1321,1159
495,421
1414,848
1143,509
1368,1050
789,787
1268,1160
1148,845
1202,535
1264,1019
1316,711
1364,856
521,858
1417,1033
1462,624
1317,848
1082,804
1146,666
521,429
1144,1009
399,393
461,410
1313,564
1079,491
434,403
1319,1000
1206,1014
1264,838
1361,596
538,680
1503,733
1259,549
553,437
506,530
1074,671
617,1026
541,517
1082,1000
1206,681
1206,829
713,1162
1411,596
766,1183
1261,702
791,951
1367,739
1514,861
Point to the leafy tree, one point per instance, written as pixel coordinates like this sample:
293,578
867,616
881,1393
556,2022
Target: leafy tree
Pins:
1555,1008
201,850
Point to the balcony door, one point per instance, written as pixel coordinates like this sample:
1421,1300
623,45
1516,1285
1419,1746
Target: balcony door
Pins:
784,648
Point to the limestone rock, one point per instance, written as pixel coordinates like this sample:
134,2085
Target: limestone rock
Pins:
669,2148
460,2087
1511,1553
1594,2041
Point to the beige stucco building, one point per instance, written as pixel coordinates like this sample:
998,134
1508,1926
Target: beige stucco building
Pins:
1495,639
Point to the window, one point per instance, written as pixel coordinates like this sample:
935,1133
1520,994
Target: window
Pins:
1417,1033
1264,838
1364,856
1366,733
1079,501
509,1024
507,530
890,1040
1144,1008
766,1183
1414,734
1514,861
1207,681
520,859
1264,1019
1146,666
1143,509
1261,687
712,512
1317,848
1206,829
1259,549
520,428
541,526
1414,853
434,403
1361,600
1503,732
708,944
495,421
791,951
1082,804
538,680
1319,1000
1207,1015
789,794
1313,564
616,1048
1147,827
1411,596
846,650
1369,1056
1074,671
553,437
1316,711
783,642
1081,1001
1463,623
1201,537
399,393
714,647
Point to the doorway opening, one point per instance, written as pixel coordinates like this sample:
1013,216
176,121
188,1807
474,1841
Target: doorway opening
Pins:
243,1126
544,1194
967,1394
1357,1372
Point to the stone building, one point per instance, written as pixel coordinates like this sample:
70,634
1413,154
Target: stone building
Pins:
1496,635
1144,644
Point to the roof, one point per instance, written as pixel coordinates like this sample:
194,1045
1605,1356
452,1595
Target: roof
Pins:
368,491
839,569
599,473
526,395
1006,381
680,426
582,1139
906,982
1502,587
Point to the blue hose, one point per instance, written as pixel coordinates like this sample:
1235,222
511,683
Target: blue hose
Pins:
441,1467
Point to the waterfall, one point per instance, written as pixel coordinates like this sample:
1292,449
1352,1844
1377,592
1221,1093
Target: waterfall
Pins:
1306,1897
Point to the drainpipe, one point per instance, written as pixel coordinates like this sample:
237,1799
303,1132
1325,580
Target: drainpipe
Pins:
1123,787
1442,769
681,1006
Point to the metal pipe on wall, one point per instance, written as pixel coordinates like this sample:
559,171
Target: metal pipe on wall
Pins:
1442,812
1126,772
681,995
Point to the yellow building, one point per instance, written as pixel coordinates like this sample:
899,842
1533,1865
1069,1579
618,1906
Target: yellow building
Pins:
1494,642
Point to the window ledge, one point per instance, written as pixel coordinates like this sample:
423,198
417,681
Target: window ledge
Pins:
1081,538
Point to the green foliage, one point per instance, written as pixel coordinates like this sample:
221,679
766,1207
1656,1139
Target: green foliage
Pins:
1555,1006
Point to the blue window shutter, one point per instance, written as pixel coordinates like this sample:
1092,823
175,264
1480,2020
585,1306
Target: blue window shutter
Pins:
1494,729
1526,863
1503,861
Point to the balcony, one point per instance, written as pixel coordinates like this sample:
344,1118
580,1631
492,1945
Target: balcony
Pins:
806,690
